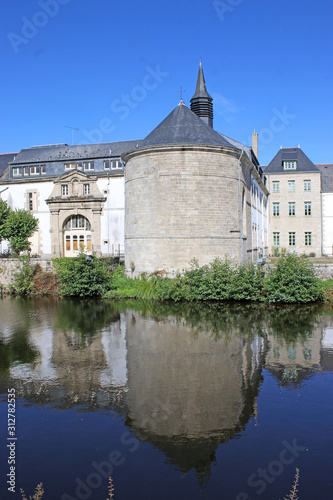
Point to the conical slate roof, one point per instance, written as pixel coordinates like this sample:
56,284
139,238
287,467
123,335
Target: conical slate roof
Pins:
201,90
182,126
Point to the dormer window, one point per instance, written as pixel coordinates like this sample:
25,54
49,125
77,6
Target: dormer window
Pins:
35,170
289,165
69,166
88,165
16,171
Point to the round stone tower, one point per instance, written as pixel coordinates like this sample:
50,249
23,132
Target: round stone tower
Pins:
185,197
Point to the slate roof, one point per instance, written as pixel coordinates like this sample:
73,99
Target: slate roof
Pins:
182,126
60,152
5,160
289,154
201,90
326,177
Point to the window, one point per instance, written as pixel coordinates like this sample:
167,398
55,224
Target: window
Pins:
17,171
75,244
69,166
106,164
292,239
307,208
68,242
25,170
276,186
276,209
81,242
308,239
291,186
77,221
88,165
289,165
30,201
86,189
116,164
43,169
276,239
64,189
35,170
79,165
292,208
307,185
88,242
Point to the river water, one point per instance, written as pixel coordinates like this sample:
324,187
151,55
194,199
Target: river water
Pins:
194,401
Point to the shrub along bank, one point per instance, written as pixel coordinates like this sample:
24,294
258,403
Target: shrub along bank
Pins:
291,280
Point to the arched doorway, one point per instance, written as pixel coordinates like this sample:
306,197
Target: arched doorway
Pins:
77,236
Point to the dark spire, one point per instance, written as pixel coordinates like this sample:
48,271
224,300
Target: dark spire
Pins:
202,102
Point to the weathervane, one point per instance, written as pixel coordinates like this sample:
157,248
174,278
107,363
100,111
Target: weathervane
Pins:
181,91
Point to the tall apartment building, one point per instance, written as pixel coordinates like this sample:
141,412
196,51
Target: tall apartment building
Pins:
295,214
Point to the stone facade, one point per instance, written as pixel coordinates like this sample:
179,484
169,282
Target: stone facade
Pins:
298,223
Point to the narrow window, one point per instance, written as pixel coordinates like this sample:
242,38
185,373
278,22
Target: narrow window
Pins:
25,170
307,185
276,239
276,186
308,239
292,208
81,243
106,164
30,201
79,165
68,242
291,186
89,242
64,189
292,239
43,169
307,208
75,245
276,209
86,189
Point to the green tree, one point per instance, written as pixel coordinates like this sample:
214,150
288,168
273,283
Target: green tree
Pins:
19,225
82,276
4,212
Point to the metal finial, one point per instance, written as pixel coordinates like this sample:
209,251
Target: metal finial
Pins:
181,91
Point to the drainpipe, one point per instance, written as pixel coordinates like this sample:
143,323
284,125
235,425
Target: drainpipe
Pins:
240,210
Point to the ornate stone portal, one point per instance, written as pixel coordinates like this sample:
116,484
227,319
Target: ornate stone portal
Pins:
75,194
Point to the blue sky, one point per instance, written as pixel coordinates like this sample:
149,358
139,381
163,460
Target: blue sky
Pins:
112,70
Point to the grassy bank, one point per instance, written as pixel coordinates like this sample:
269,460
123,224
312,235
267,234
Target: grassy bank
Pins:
290,279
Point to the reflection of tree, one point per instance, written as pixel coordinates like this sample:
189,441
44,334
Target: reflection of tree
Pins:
82,319
292,323
17,350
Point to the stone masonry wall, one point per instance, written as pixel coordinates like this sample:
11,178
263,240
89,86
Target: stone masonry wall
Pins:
180,205
8,268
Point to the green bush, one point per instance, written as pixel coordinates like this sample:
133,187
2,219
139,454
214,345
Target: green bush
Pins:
82,277
23,277
292,280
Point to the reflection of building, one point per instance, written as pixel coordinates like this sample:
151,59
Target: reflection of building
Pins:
189,392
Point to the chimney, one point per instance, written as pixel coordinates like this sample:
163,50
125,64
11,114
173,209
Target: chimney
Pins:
255,143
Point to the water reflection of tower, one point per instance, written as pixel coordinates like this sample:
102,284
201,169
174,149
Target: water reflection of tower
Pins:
187,391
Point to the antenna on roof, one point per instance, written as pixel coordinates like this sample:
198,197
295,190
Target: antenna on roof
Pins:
73,128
